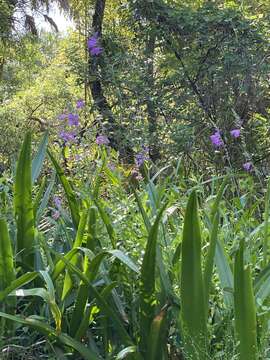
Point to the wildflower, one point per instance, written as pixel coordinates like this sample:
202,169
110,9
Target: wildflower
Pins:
57,201
93,41
73,119
247,166
142,156
96,51
102,140
93,45
136,175
62,116
235,133
67,136
56,214
80,104
216,139
111,166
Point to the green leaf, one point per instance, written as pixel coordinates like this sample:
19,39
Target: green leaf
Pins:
70,194
244,308
78,241
107,222
39,157
104,306
262,285
23,205
7,270
225,273
17,283
157,336
48,331
193,314
148,277
123,354
209,264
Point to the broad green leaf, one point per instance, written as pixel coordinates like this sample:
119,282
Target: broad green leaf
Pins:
209,264
157,336
45,199
244,308
77,243
123,354
23,205
225,273
17,283
147,285
104,306
107,222
193,316
39,157
262,285
48,331
7,270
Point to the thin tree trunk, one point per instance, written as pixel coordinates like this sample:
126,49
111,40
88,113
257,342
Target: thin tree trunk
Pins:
113,130
152,116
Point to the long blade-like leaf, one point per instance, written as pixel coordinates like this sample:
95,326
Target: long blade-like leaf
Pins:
193,314
7,271
244,308
147,296
39,158
23,205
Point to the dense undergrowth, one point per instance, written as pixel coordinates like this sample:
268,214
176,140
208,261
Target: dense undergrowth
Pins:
139,267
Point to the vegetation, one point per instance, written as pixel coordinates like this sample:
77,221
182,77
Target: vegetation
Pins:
134,191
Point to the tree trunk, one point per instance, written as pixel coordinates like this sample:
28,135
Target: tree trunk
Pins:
152,116
112,129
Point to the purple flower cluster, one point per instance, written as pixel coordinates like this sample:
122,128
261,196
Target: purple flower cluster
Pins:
93,45
73,119
216,139
80,104
247,166
218,142
142,156
235,133
102,140
69,136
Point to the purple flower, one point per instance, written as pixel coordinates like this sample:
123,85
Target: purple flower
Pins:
102,140
111,166
62,116
93,45
216,139
56,214
142,156
73,119
235,133
67,136
92,41
57,201
96,51
80,104
247,166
